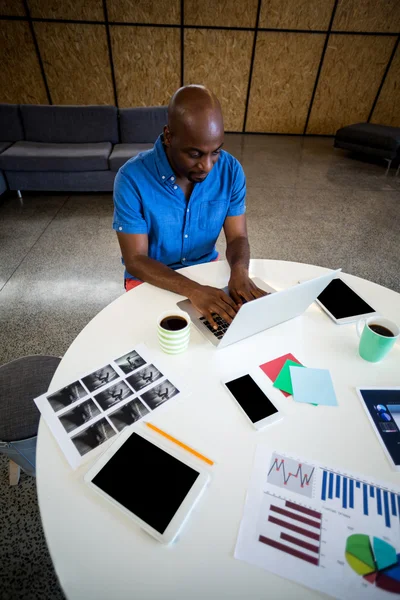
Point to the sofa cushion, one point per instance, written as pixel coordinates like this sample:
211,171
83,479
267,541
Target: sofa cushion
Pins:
70,124
370,135
123,152
10,123
61,181
142,125
33,156
4,146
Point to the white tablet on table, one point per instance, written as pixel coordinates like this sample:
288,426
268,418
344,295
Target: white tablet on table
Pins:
343,304
156,486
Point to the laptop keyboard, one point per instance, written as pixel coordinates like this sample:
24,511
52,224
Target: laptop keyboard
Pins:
222,326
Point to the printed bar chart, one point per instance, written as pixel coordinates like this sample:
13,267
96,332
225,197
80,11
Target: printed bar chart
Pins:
293,529
350,493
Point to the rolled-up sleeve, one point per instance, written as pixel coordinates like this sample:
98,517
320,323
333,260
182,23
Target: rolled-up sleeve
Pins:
237,205
128,209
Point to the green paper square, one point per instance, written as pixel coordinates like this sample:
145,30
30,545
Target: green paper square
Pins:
284,381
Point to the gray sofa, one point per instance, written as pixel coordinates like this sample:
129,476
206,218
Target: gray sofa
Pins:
72,148
10,131
139,127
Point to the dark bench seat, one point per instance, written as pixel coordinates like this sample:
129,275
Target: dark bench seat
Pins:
381,141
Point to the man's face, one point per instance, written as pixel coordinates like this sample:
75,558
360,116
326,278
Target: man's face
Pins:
193,155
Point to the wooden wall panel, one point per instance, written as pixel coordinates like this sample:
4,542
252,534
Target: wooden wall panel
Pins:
220,60
76,62
387,109
20,76
224,13
352,71
367,15
163,12
284,73
14,8
296,14
84,10
146,63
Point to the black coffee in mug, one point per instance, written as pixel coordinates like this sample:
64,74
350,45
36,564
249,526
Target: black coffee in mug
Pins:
173,323
381,330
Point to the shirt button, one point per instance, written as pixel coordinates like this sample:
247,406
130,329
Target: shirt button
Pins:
187,210
172,178
163,177
120,228
186,236
183,259
175,187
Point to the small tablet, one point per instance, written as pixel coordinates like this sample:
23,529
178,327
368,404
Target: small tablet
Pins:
343,304
150,483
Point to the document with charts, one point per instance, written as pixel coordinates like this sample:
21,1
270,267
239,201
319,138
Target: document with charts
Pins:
330,530
95,407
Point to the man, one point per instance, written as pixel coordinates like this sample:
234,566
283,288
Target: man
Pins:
171,203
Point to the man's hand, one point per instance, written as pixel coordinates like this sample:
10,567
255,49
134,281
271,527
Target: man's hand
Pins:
241,287
209,300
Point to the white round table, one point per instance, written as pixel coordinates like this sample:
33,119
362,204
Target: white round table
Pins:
100,554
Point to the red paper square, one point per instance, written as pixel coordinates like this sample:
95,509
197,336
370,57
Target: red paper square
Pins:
273,367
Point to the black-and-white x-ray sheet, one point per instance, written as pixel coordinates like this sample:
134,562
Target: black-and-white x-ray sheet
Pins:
96,406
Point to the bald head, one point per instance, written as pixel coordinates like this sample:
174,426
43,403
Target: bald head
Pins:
195,108
195,131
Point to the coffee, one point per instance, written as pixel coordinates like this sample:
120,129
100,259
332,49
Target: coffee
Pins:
173,323
381,330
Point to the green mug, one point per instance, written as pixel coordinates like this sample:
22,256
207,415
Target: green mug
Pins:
377,338
174,341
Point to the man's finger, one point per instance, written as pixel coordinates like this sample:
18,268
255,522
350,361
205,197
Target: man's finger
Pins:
246,294
222,313
210,319
228,300
236,298
228,308
257,293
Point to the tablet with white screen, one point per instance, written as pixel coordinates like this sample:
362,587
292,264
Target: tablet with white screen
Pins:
151,483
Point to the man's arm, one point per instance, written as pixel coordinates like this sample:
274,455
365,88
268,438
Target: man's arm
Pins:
238,257
206,299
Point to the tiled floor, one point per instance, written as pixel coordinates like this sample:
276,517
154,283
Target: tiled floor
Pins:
59,259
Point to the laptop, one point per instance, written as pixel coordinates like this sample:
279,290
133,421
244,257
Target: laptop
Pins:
262,313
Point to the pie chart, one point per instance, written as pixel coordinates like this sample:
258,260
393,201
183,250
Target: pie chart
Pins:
375,560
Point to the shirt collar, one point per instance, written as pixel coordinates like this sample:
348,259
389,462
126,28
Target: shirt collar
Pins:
164,169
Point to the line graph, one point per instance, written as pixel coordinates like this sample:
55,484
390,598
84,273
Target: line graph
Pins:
292,475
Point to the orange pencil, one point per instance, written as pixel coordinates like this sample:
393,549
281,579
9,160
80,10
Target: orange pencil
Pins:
178,443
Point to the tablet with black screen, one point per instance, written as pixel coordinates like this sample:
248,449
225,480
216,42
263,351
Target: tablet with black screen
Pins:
152,484
343,304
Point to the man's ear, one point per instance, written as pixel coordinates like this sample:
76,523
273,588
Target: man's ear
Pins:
167,136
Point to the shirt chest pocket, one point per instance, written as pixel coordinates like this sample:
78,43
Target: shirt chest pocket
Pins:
212,215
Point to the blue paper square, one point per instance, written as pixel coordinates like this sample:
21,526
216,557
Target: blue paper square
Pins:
313,386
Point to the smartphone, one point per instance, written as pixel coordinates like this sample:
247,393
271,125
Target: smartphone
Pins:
257,407
343,304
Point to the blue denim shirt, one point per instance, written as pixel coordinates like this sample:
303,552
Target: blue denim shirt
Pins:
180,232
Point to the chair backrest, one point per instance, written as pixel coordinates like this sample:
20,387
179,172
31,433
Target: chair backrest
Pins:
10,123
21,381
142,125
70,124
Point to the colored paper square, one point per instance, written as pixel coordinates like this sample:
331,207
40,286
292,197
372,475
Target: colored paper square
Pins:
313,385
283,381
272,368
